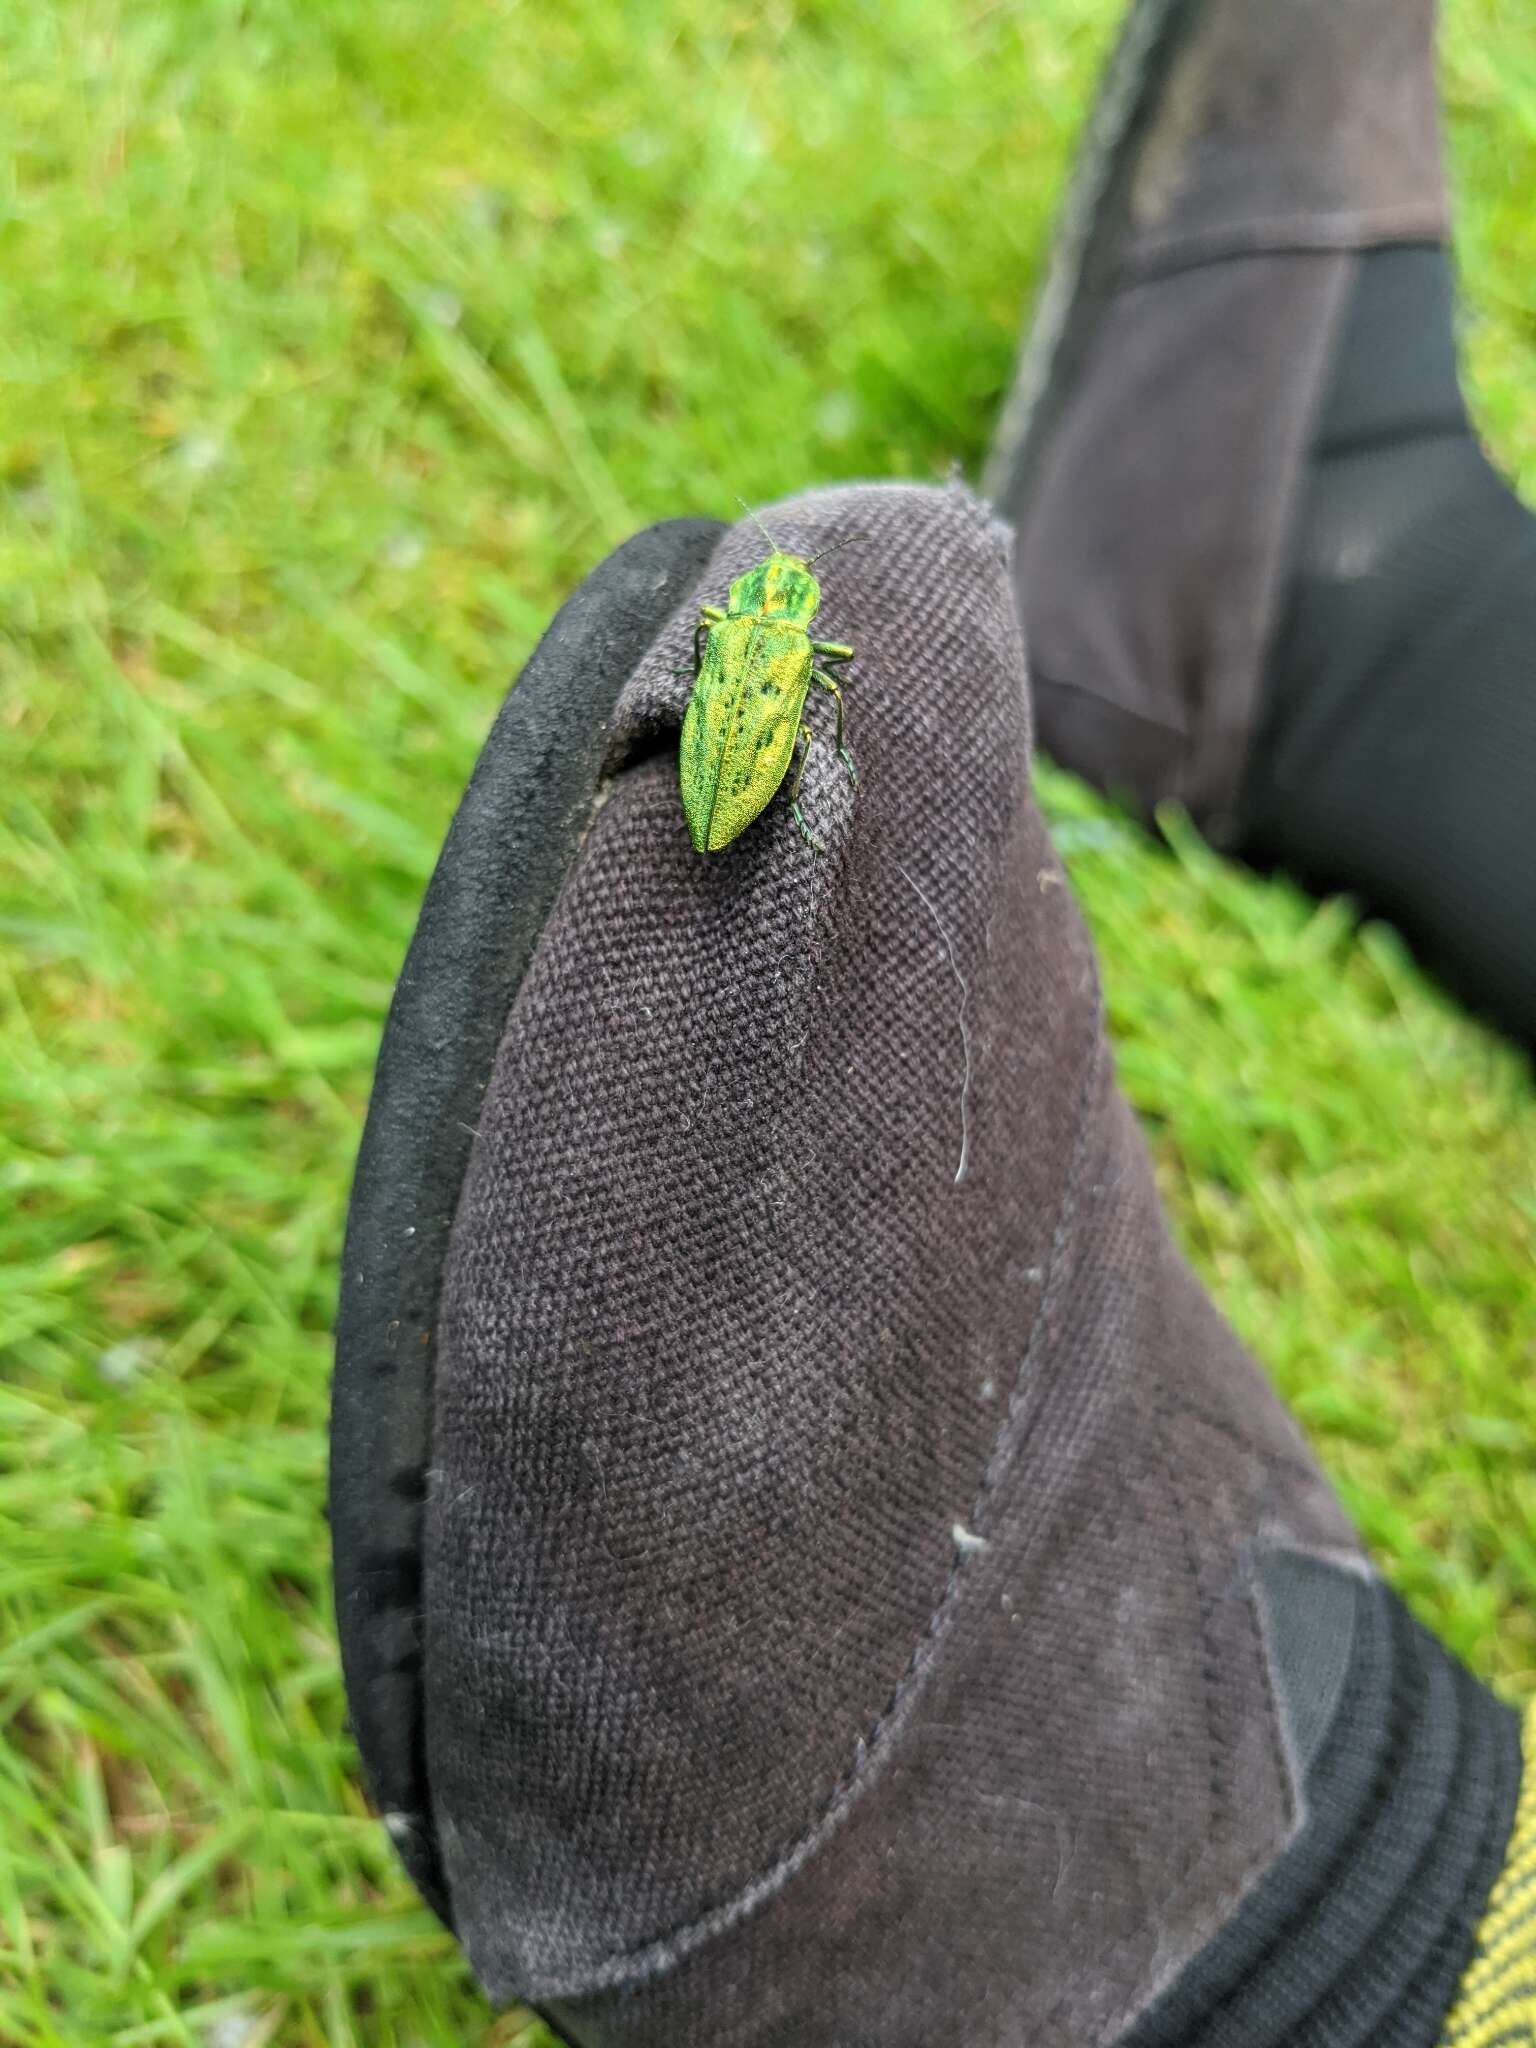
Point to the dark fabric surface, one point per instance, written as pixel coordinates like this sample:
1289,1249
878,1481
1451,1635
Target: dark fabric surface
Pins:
1359,1934
1395,756
1309,125
1226,128
841,1604
1153,452
1151,553
1264,568
506,855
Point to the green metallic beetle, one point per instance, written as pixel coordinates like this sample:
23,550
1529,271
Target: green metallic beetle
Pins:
753,664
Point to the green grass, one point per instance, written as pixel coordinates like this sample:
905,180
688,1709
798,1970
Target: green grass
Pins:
337,338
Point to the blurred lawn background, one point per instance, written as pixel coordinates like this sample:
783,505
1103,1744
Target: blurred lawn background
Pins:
339,337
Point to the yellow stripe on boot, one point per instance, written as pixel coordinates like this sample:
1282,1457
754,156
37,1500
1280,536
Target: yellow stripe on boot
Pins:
1496,2004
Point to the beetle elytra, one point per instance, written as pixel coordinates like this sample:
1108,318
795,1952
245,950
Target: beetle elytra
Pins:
753,664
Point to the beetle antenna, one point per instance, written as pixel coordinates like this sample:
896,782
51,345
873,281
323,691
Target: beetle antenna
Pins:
767,536
847,540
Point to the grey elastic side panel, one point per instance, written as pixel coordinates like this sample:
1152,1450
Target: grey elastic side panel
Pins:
1311,1608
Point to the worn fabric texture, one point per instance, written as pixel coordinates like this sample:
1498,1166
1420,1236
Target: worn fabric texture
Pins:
1153,453
1152,552
1357,1935
1307,124
842,1601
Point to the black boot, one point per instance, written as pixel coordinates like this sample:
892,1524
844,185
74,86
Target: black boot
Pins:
813,1566
1263,567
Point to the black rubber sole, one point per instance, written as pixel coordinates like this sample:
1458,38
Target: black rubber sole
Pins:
517,831
1085,257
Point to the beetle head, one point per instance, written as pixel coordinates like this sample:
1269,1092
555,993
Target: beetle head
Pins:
780,588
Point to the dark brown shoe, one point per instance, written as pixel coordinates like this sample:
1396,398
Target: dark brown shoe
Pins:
1243,155
814,1569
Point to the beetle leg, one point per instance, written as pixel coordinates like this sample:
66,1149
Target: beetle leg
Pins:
794,795
832,690
709,615
806,737
832,650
